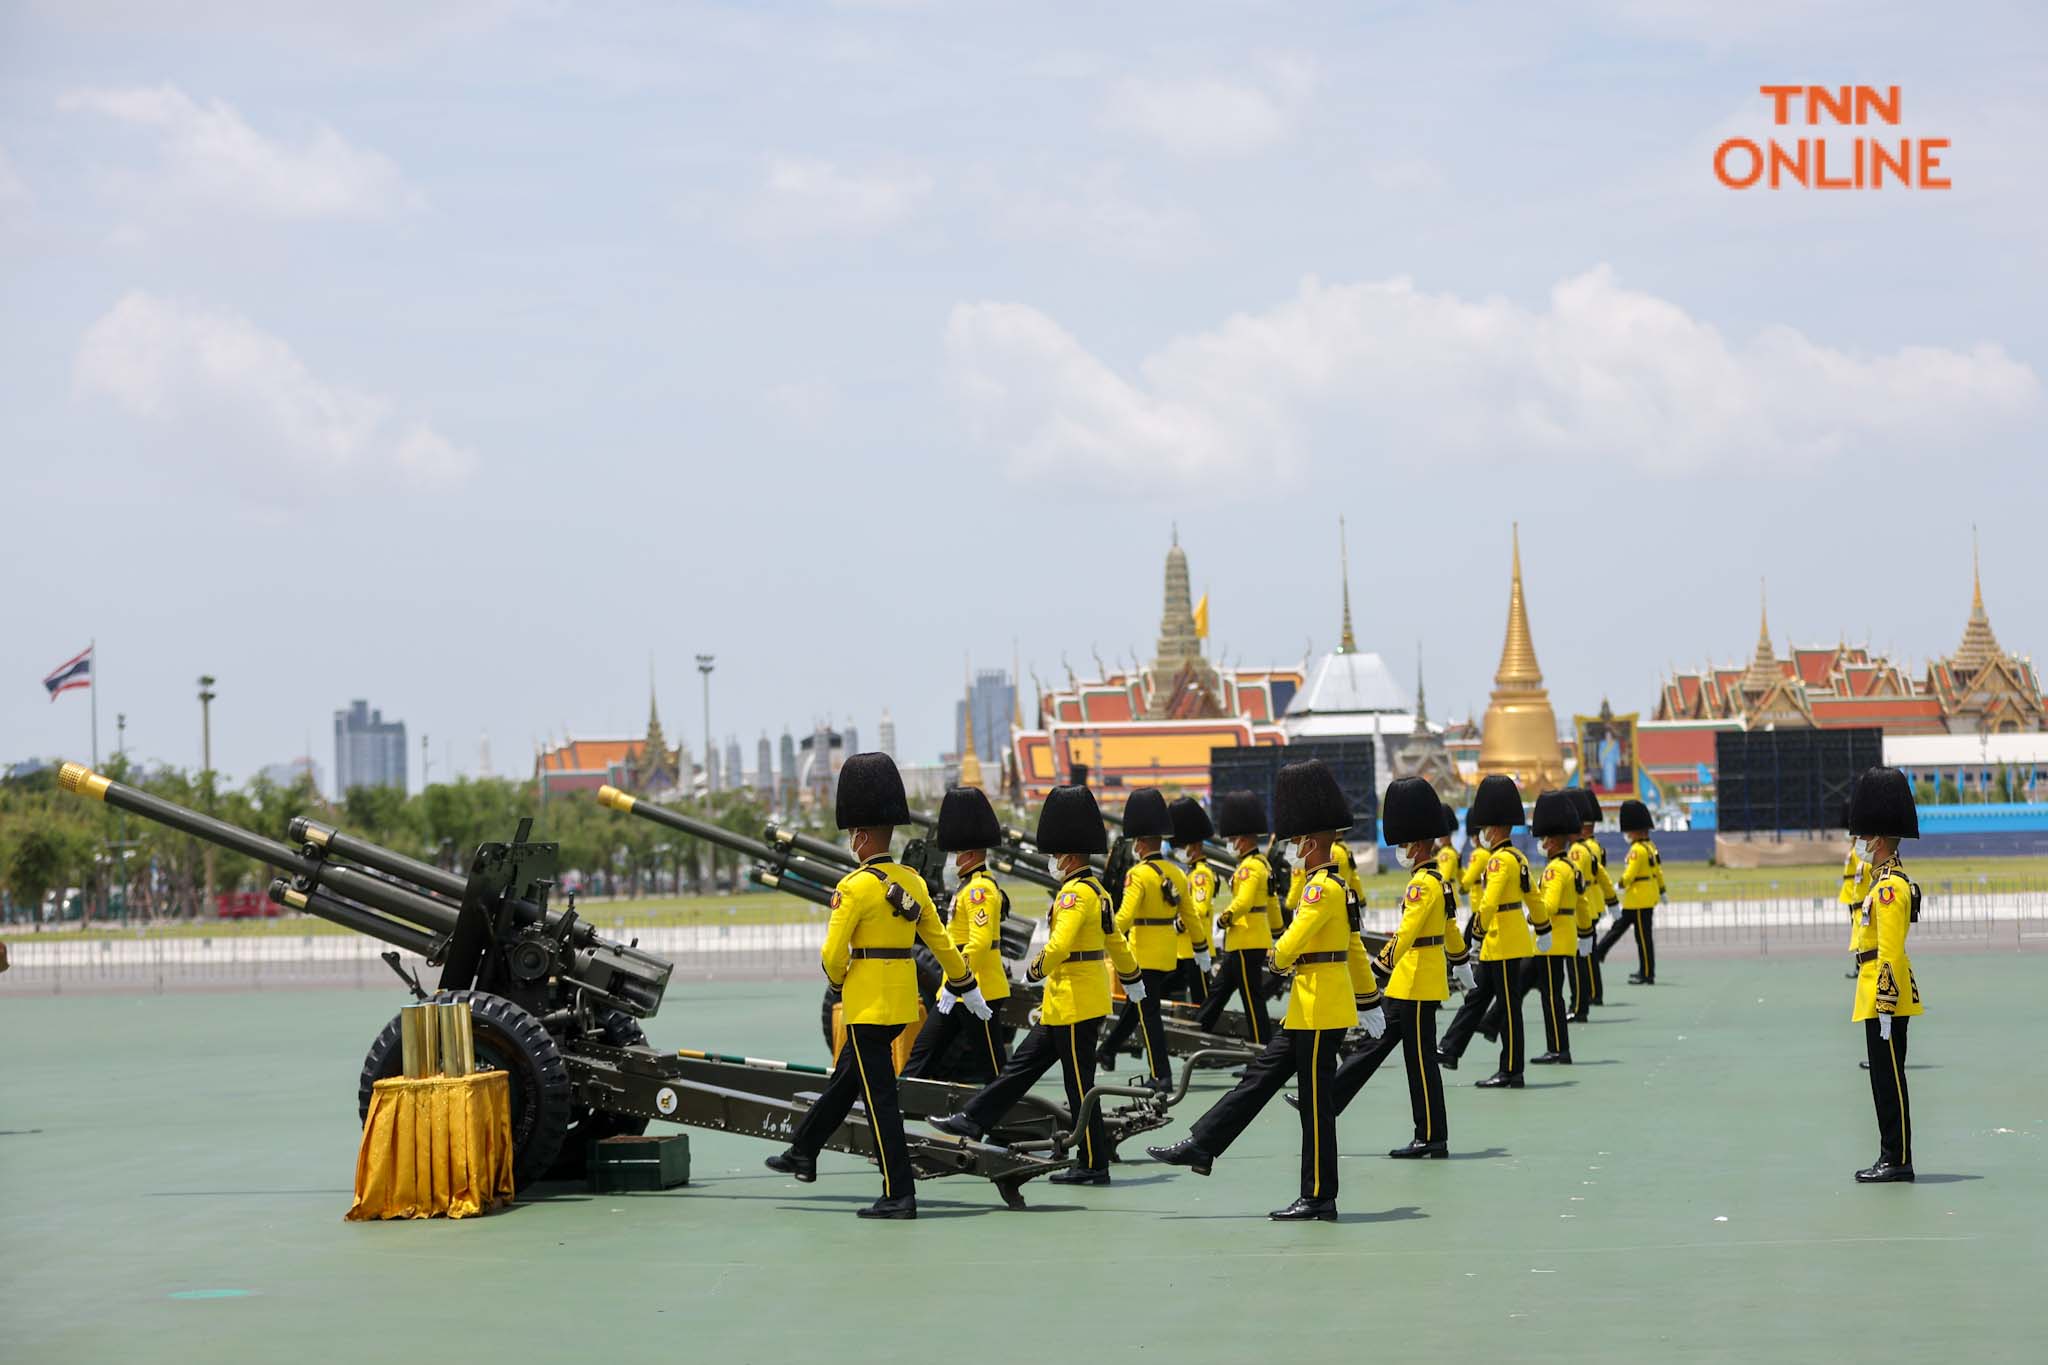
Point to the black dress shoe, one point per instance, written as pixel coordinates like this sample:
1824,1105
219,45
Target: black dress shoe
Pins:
1578,1018
1552,1059
1182,1153
1078,1175
1306,1210
1500,1080
1418,1150
1158,1085
794,1163
1864,1064
1105,1061
902,1209
1446,1060
959,1125
1640,981
1885,1173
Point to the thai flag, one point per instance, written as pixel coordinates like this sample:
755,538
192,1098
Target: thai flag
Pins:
75,672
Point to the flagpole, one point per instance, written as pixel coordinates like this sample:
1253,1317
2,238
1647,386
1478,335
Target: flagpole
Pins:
92,650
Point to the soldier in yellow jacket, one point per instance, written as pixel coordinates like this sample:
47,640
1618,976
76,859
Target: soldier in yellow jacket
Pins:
1248,922
1642,888
1856,881
1513,927
1081,945
1590,859
1342,862
1150,918
968,829
1882,812
1559,890
1333,991
1473,879
879,911
1191,829
1415,968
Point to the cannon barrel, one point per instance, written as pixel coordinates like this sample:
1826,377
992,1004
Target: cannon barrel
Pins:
781,836
784,865
419,911
376,857
367,922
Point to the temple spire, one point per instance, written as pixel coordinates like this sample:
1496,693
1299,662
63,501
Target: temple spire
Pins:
1347,643
1421,702
1518,666
1763,665
1520,732
1979,647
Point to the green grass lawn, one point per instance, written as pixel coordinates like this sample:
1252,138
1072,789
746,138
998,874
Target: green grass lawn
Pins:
173,1171
1687,882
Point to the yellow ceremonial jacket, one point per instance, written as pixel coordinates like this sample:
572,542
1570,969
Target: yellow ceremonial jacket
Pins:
1474,879
976,927
1253,915
1506,916
1197,911
1447,868
1599,881
1884,983
1855,881
1559,893
1642,876
1078,954
1333,977
1155,895
1418,966
1584,856
883,907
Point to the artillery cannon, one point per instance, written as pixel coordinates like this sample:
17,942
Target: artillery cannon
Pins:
557,1006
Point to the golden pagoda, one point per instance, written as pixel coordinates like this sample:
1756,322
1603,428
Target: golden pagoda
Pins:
1520,733
970,761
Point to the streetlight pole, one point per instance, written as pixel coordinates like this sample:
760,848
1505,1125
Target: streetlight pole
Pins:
426,763
206,695
704,667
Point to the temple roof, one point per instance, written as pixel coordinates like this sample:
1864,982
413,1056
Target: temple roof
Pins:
1350,683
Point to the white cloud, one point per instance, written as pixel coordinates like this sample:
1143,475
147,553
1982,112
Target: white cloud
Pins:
1094,212
1603,376
234,388
1211,117
809,198
213,160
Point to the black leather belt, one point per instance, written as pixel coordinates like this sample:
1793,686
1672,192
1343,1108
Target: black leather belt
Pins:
1309,959
883,954
1431,941
1087,955
1868,955
1152,920
1512,905
1589,933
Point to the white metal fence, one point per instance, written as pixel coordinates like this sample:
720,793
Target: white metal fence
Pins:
2009,916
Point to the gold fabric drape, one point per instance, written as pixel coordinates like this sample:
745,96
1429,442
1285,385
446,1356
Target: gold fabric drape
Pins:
437,1147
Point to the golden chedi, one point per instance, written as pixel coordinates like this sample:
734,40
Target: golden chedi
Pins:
1520,733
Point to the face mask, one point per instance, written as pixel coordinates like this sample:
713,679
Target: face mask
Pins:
1863,849
1408,861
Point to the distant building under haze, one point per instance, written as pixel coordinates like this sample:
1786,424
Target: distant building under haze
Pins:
369,751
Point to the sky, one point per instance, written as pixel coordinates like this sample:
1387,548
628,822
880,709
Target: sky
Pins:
481,358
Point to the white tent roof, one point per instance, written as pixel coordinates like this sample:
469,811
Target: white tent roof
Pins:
1350,684
1965,751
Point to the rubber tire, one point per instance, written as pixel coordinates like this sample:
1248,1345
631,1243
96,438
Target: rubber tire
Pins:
588,1125
508,1039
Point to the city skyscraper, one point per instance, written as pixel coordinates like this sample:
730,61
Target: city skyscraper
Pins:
711,767
786,789
765,773
852,741
369,751
735,771
994,698
888,739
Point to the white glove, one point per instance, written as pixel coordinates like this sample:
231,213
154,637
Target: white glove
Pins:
1135,991
1884,1027
1585,946
947,1000
977,1004
1373,1021
1202,962
1543,941
1466,977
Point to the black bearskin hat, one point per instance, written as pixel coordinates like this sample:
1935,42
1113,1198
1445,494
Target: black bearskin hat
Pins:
1635,816
1498,802
1145,815
1450,830
1191,824
967,820
871,793
1589,805
1556,814
1410,812
1882,805
1071,822
1307,800
1240,812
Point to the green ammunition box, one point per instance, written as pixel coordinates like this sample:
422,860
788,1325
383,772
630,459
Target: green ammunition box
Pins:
653,1162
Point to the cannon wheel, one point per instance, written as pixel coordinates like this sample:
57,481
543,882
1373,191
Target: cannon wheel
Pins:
511,1040
587,1125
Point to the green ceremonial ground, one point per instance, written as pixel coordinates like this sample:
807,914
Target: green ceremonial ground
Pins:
174,1169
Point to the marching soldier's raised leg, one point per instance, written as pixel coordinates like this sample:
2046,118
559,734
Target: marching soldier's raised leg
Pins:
967,829
1512,927
1155,891
1558,894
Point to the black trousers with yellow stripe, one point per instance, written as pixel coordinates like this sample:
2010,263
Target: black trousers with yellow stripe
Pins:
982,1059
1188,983
1242,972
1411,1027
1501,984
1888,1091
1144,1017
865,1071
1311,1055
1547,976
1070,1047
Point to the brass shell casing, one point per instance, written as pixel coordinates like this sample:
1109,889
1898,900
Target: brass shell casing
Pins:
419,1041
458,1051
